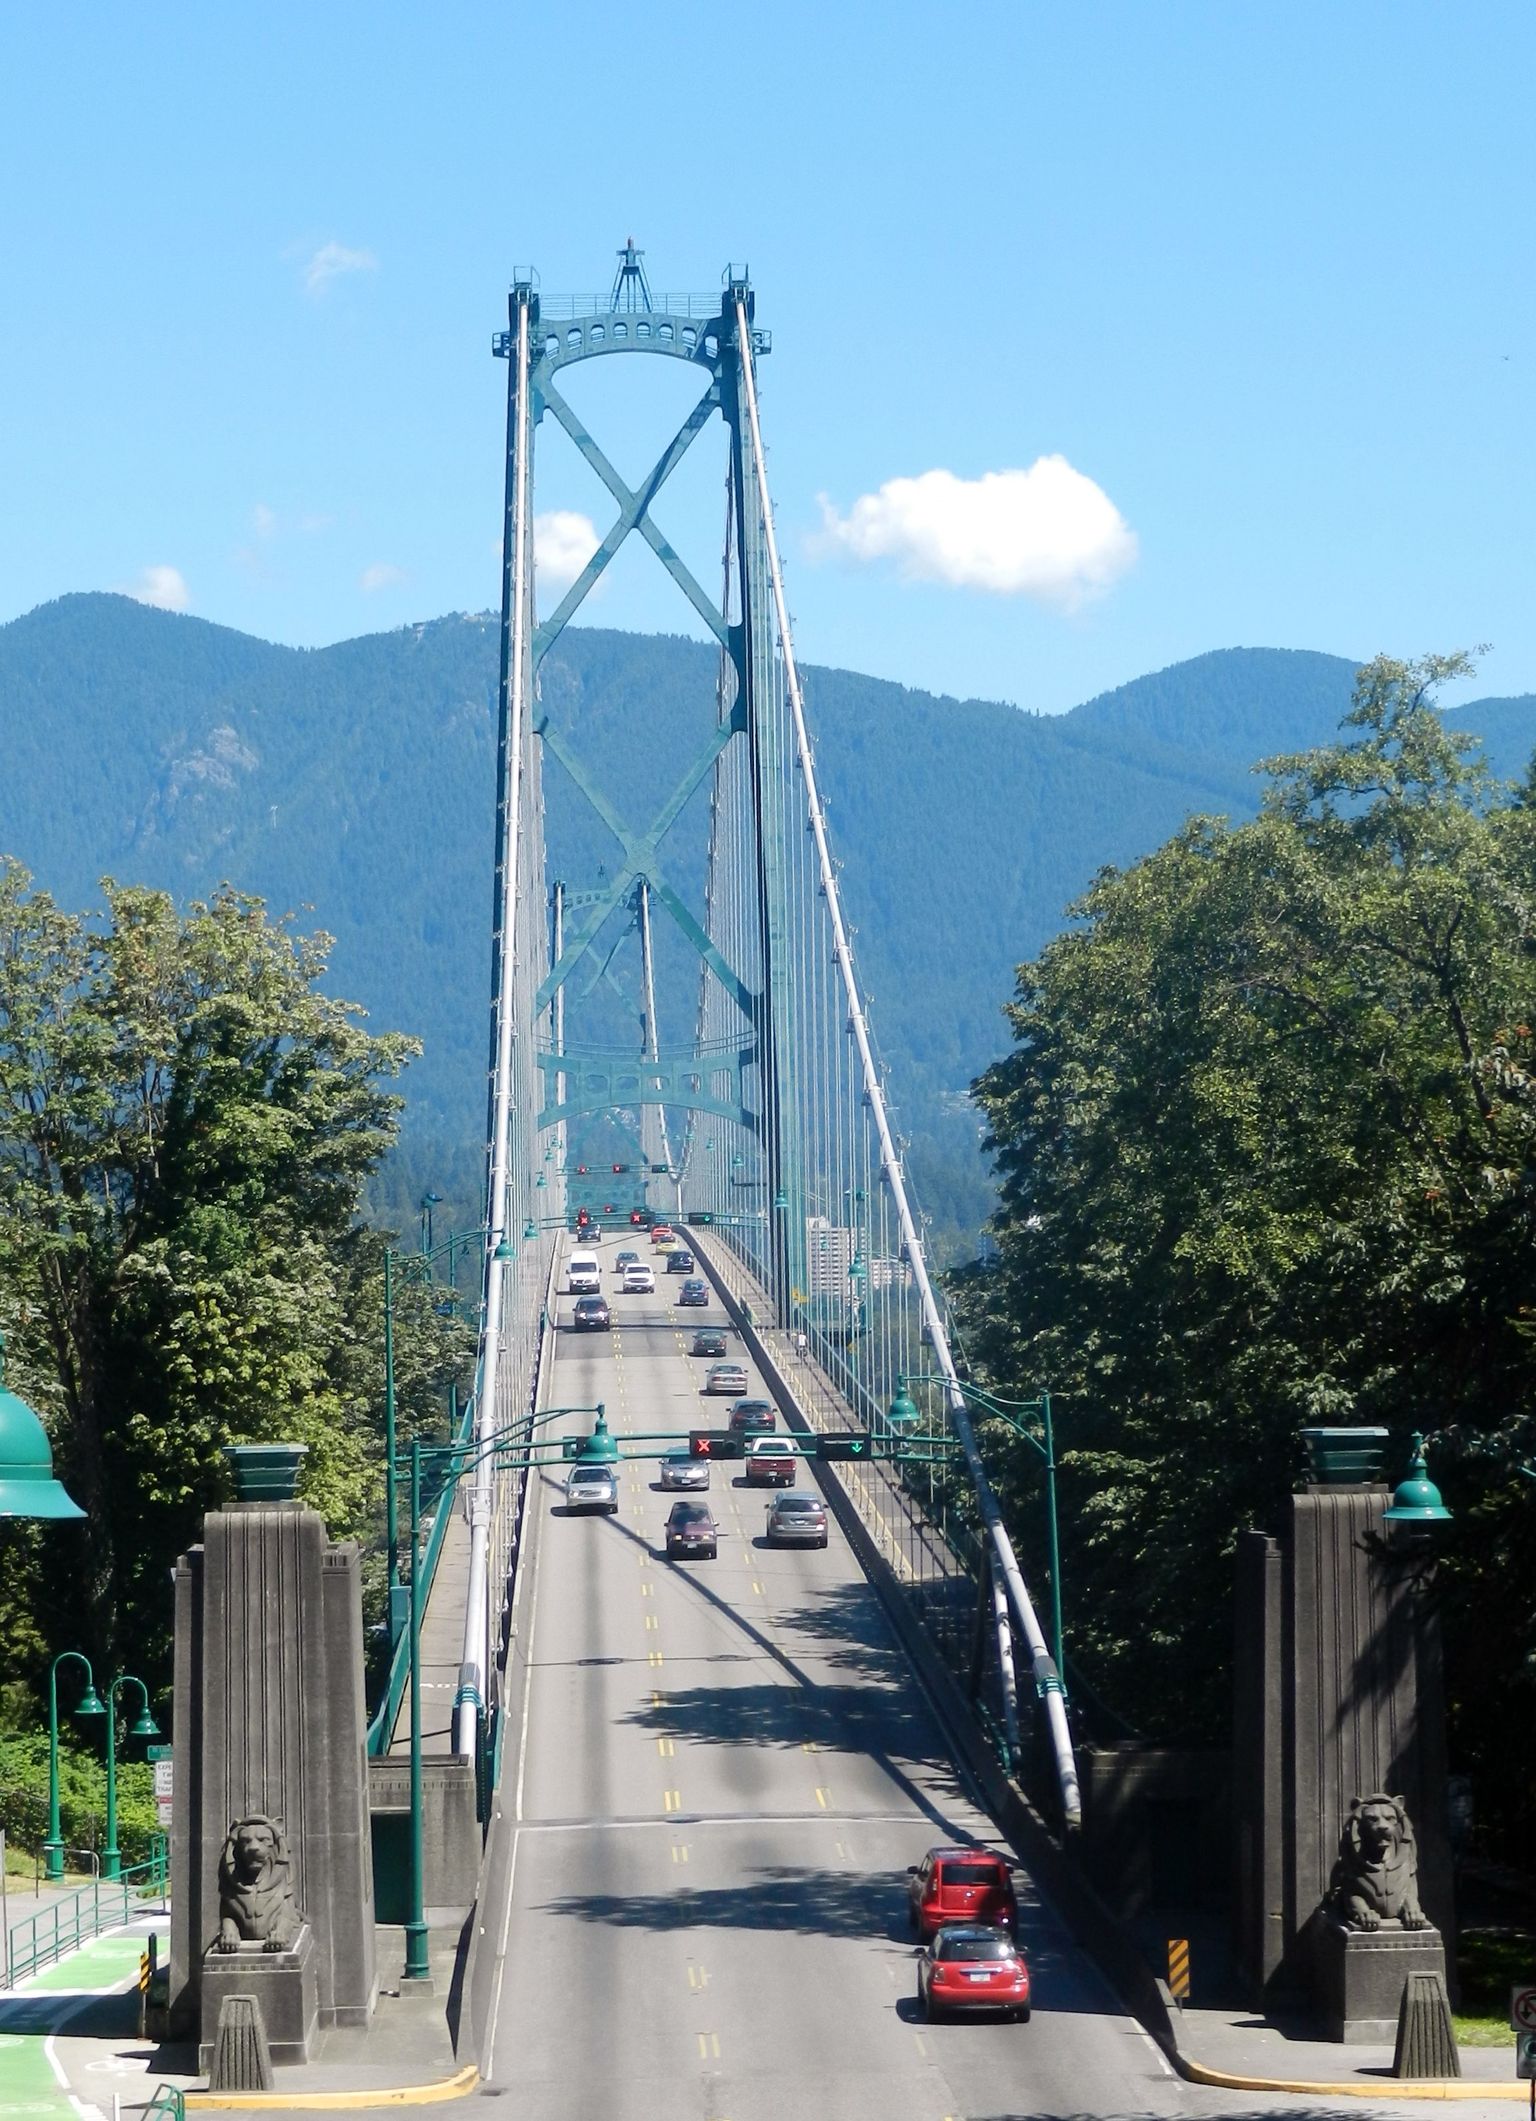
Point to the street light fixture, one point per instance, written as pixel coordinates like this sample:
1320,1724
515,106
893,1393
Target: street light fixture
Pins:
144,1727
1417,1500
90,1704
27,1485
429,1201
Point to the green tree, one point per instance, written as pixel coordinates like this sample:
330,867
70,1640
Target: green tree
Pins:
1267,1143
186,1127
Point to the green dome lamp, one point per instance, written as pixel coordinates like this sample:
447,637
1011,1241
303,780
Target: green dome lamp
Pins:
903,1411
27,1485
1416,1500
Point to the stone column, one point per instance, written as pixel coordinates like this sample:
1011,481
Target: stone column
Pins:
1338,1694
270,1719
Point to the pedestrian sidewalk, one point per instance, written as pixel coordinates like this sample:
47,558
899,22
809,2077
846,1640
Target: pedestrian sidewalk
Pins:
69,2042
1240,2052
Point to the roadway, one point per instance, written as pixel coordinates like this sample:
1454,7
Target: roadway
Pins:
695,1892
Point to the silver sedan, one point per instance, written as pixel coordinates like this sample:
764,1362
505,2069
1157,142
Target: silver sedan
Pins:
678,1470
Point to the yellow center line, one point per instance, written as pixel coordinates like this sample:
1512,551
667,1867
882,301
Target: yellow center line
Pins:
822,1797
709,2047
672,1800
922,2045
679,1852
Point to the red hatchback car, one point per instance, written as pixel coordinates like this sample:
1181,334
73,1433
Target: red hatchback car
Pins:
960,1885
971,1967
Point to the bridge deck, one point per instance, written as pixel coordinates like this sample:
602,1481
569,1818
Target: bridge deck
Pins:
695,1887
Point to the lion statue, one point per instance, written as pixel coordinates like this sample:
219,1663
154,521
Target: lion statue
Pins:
1376,1878
256,1903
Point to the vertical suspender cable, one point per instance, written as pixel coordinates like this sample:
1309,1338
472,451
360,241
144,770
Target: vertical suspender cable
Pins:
890,1164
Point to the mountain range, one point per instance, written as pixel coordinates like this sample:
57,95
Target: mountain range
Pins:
356,785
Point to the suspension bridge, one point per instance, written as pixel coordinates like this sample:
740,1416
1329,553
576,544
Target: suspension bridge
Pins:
702,1785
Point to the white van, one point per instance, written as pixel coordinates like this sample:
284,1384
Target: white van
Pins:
583,1277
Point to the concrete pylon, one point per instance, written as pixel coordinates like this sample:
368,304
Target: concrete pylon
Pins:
1338,1693
270,1720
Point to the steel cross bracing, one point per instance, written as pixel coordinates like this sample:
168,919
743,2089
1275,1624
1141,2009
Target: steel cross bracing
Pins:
786,1142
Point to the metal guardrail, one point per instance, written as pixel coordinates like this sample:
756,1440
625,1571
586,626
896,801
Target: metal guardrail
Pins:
166,2105
383,1724
75,1918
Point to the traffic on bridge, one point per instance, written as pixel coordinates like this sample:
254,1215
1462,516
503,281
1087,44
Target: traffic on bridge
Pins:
696,1894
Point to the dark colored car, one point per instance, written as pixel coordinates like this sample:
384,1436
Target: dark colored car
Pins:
752,1417
694,1292
960,1885
796,1521
679,1261
972,1967
709,1340
692,1534
590,1314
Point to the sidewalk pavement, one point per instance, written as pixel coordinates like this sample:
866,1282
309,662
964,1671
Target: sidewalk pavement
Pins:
69,2042
1241,2052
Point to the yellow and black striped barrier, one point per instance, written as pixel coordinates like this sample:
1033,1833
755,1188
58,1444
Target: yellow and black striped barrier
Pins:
1178,1967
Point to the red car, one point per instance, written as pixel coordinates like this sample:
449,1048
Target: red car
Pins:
972,1967
960,1885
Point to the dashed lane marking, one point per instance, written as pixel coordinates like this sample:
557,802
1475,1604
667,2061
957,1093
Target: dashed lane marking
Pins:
665,1748
653,1657
709,2047
697,1978
672,1800
679,1852
822,1797
651,1621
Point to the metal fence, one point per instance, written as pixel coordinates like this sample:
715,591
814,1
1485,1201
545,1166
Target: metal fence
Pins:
75,1918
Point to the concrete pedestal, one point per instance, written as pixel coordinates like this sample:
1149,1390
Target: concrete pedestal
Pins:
283,1983
1358,1976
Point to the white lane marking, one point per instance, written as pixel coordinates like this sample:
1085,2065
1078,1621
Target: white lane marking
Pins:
614,1826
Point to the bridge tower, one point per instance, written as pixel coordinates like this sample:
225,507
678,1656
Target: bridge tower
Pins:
771,1122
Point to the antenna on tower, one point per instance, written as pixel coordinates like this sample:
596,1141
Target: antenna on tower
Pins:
631,289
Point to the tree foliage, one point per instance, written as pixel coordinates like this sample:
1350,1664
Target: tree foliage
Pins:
187,1123
1267,1142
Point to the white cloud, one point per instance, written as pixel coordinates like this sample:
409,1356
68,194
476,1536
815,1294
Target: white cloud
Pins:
263,520
164,587
1048,532
331,261
563,542
381,575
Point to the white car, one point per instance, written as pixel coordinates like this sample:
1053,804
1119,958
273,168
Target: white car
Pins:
592,1487
639,1280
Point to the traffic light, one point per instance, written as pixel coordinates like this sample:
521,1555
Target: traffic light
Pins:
852,1443
700,1218
618,1168
715,1443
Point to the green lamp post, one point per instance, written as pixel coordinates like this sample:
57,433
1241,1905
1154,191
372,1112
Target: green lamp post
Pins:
27,1485
90,1704
144,1727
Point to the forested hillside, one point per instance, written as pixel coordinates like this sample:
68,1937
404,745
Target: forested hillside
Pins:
358,781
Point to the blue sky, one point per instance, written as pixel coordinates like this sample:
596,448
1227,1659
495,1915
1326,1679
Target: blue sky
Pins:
1259,276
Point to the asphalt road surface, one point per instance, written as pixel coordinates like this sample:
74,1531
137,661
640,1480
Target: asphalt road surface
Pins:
724,1770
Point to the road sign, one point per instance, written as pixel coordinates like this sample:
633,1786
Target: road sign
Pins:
1522,2007
162,1778
1525,2056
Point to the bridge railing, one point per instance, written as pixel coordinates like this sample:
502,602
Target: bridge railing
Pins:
75,1918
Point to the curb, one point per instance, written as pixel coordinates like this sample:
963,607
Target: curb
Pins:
454,2087
1380,2088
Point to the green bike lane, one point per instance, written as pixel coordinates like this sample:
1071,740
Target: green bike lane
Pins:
92,1989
